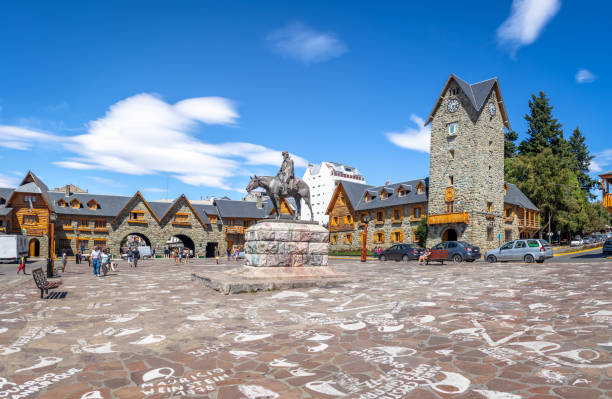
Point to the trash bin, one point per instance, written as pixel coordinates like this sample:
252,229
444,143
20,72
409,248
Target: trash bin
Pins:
49,267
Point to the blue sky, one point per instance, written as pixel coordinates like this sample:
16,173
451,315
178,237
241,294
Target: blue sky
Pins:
193,97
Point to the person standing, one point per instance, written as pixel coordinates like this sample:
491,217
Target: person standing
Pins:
136,256
130,257
64,260
76,258
95,260
217,254
104,260
229,253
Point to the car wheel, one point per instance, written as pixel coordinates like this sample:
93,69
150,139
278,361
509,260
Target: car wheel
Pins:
491,259
383,258
405,258
457,258
470,260
529,258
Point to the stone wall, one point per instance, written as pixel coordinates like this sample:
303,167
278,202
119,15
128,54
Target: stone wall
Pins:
476,167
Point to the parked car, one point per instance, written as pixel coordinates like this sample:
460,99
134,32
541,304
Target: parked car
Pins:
607,247
459,251
528,250
403,252
576,242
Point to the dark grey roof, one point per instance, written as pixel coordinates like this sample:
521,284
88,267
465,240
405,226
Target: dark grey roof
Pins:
210,209
393,199
201,211
5,211
110,205
160,208
30,187
354,191
5,193
477,93
515,196
241,209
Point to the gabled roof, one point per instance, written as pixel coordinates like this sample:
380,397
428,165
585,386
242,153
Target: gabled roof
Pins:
110,205
393,199
5,211
607,174
5,192
144,201
354,192
476,93
241,209
514,196
203,211
32,184
203,220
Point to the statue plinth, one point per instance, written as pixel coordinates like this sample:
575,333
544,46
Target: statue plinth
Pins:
280,254
286,243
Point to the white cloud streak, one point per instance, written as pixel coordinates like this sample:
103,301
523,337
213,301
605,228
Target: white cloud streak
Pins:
526,22
8,181
584,76
144,135
594,167
154,190
302,43
603,160
417,139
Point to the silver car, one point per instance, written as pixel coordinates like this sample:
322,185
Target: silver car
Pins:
527,250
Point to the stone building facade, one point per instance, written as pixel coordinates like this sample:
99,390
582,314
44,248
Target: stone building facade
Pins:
84,220
465,196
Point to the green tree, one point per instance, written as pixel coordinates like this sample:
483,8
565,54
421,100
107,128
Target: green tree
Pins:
582,161
421,233
599,218
510,144
544,131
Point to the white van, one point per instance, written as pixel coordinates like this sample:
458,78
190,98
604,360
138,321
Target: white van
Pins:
12,247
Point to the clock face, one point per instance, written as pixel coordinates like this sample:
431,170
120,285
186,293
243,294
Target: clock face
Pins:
453,105
491,107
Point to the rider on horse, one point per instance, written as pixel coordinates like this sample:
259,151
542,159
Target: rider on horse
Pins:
286,174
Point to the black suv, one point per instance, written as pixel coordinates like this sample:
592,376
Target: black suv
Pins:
403,252
459,251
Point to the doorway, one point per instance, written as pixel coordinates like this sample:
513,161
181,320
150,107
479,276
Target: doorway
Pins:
210,249
449,235
34,247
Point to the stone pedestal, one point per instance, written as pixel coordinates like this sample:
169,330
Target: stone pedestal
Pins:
286,243
280,254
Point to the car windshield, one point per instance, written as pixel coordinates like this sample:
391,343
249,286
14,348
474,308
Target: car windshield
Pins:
544,243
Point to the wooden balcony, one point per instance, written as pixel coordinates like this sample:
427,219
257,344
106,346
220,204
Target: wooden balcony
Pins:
84,228
136,221
234,230
445,218
35,232
509,219
101,229
67,227
415,219
528,224
607,201
181,224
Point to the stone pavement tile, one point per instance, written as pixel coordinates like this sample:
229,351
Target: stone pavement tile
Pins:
67,391
578,393
128,393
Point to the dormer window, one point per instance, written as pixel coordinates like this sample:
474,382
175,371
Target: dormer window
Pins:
453,128
62,203
384,195
75,204
505,188
93,204
454,91
420,188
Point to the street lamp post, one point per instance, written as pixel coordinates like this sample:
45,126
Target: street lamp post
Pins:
364,253
51,258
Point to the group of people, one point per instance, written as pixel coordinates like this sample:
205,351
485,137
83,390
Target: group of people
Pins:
100,259
377,252
181,255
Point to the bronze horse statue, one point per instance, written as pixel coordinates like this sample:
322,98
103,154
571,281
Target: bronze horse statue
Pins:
273,187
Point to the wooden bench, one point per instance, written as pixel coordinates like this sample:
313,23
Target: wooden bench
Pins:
438,255
42,283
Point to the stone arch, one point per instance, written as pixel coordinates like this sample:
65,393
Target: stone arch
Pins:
449,234
184,241
34,247
125,241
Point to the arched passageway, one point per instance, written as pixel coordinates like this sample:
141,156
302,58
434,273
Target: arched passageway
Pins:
181,241
449,235
135,240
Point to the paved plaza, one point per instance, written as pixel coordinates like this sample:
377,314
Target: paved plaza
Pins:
500,331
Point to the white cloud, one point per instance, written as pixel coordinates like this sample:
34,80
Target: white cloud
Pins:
585,76
603,160
154,190
526,21
8,181
145,135
413,138
306,45
594,167
104,181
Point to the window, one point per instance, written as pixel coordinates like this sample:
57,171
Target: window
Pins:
75,203
63,243
82,223
341,199
451,180
454,91
414,236
507,245
508,235
335,221
398,214
379,237
520,244
28,198
452,154
452,128
416,212
402,192
100,224
333,239
348,239
380,216
450,207
30,219
362,217
83,243
100,243
180,217
505,188
66,224
489,207
137,216
348,219
213,219
62,203
489,233
420,188
93,205
397,236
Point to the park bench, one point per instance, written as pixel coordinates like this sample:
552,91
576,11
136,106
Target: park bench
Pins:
438,255
42,283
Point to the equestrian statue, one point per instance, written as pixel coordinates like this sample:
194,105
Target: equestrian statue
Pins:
283,185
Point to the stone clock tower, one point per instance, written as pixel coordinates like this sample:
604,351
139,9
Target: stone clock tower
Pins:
466,172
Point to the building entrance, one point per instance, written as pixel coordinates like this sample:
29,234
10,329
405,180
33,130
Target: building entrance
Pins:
449,235
210,249
34,247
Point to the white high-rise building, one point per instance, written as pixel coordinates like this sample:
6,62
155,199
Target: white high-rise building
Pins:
322,180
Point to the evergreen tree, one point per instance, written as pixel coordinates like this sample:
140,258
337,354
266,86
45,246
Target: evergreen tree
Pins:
510,144
421,233
544,131
582,161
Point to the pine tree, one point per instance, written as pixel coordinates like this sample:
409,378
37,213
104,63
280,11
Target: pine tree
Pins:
510,144
544,131
582,161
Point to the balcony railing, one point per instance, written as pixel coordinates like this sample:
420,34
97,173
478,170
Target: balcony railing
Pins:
234,229
101,229
607,201
446,218
35,232
534,224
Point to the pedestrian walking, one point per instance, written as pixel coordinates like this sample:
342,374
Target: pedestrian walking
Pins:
22,265
77,258
130,257
180,256
217,254
229,253
104,260
136,257
94,257
64,261
153,254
